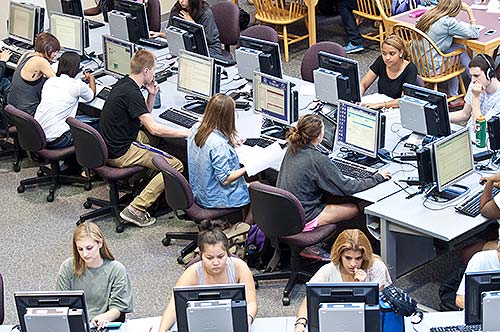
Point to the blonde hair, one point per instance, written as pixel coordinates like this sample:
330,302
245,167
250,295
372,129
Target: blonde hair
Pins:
142,59
84,231
355,240
397,43
308,128
444,8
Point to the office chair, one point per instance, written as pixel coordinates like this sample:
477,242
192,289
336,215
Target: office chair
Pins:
281,217
262,32
227,18
180,198
32,139
92,153
7,132
2,308
310,61
153,12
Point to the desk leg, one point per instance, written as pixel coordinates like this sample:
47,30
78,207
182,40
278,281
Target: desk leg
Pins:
311,20
388,247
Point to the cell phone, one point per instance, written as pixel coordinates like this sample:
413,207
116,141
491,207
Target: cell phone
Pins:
490,32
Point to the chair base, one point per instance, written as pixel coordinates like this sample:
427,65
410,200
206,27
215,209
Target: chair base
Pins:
189,248
8,149
293,277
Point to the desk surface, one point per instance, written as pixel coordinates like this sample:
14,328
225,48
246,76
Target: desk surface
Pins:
435,319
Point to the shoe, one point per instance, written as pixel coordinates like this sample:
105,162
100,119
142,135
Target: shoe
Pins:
141,221
351,48
316,252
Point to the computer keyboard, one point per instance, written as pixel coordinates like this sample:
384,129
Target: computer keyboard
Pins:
471,206
15,56
262,142
153,42
162,76
178,118
351,169
104,93
457,328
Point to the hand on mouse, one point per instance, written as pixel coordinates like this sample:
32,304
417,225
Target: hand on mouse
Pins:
386,174
494,179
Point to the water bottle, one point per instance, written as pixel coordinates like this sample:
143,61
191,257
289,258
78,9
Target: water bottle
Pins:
480,131
157,103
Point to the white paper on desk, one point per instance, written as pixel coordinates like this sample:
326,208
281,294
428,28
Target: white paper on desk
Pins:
494,6
375,98
307,93
248,124
478,7
143,324
256,159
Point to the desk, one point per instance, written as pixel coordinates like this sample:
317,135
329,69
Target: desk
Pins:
435,319
484,44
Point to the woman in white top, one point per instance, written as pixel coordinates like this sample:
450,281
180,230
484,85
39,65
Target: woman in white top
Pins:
353,260
215,267
60,95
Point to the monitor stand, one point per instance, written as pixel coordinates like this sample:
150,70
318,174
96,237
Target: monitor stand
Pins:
449,193
365,160
197,106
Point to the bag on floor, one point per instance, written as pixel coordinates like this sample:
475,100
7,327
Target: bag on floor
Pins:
390,321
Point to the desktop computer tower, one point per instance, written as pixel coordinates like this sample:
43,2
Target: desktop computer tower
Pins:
325,84
424,165
248,61
123,26
494,132
175,40
39,20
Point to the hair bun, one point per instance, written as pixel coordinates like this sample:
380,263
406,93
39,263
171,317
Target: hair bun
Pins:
210,225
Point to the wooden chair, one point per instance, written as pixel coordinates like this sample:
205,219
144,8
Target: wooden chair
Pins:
424,53
371,10
282,13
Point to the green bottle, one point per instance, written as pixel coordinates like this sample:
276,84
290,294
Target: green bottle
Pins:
481,131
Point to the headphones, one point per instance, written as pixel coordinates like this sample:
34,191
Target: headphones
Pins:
490,72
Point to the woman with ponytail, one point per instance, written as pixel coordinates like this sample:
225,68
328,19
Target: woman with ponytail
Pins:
215,267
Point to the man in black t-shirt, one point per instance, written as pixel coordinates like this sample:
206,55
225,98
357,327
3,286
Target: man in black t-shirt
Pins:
124,111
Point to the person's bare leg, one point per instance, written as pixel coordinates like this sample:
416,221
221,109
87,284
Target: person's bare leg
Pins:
334,213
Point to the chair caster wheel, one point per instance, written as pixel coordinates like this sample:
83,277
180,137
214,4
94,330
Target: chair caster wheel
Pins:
50,197
21,188
87,186
286,301
180,260
87,205
256,284
17,168
166,241
120,228
40,173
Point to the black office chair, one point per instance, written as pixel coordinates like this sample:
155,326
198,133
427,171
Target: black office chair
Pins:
2,308
180,198
9,144
92,153
281,217
32,139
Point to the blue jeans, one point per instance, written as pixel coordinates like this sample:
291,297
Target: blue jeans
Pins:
66,139
352,33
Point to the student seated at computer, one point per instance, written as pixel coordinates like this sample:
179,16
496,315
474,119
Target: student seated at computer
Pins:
197,11
123,113
33,69
93,269
102,6
489,204
392,69
216,266
309,174
4,81
441,25
483,94
60,95
352,260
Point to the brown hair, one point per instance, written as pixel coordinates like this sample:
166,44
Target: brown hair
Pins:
308,128
46,44
397,43
210,233
219,115
195,8
356,240
444,8
142,59
88,230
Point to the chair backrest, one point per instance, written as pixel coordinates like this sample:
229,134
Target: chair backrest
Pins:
30,134
368,8
279,10
262,32
277,212
310,60
153,11
425,54
227,18
177,190
384,8
90,148
2,308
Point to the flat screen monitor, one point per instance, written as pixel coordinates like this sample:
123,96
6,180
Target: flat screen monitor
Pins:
196,75
453,158
211,308
73,300
195,40
322,296
358,129
268,54
72,7
475,284
437,120
69,30
273,97
22,22
138,11
330,128
116,55
348,81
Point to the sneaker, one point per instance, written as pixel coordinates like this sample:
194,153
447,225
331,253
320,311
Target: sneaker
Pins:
351,48
141,221
316,252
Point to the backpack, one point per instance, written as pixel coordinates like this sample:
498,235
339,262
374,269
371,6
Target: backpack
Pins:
390,321
244,19
401,6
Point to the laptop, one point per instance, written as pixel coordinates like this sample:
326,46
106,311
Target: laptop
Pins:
326,146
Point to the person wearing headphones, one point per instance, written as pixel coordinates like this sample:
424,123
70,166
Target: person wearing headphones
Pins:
483,94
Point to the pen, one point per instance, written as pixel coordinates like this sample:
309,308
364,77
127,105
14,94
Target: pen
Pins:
152,149
151,328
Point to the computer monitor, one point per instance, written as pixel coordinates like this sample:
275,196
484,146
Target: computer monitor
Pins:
33,310
258,55
274,98
23,22
116,55
138,11
330,128
72,7
194,37
211,308
475,284
430,112
69,30
348,81
343,298
452,161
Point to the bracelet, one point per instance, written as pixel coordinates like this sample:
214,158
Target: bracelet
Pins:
251,318
299,318
300,323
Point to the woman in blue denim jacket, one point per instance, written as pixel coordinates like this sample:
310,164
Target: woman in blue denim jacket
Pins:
215,175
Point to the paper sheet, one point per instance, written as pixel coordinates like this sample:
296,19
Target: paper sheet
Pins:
248,124
256,159
494,7
143,324
375,98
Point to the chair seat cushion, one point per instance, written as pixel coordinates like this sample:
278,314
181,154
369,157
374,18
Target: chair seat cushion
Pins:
116,173
56,154
306,239
197,213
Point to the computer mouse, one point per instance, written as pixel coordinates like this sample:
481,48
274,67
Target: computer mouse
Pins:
223,74
417,317
169,56
482,182
236,77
